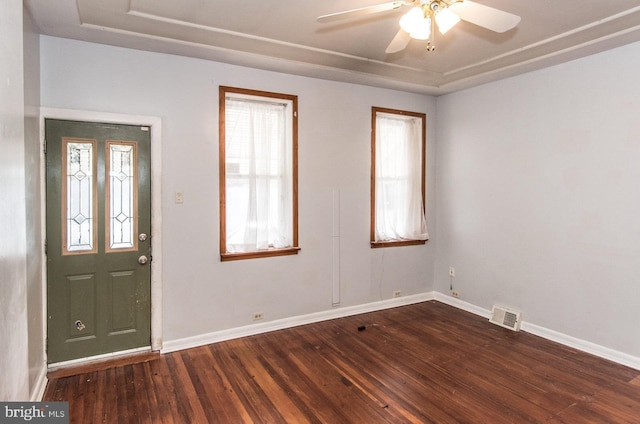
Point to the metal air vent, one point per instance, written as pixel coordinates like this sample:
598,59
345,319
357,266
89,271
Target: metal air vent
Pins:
505,318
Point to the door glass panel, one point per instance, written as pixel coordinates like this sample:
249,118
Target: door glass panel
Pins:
121,196
78,213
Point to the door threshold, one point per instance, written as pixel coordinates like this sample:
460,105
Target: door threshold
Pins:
101,362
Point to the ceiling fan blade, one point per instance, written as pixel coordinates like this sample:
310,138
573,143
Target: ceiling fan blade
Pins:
485,16
363,11
399,42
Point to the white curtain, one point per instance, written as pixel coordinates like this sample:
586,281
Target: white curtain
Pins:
399,212
258,176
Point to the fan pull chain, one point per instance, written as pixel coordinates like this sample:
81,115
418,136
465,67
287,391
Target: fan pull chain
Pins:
432,37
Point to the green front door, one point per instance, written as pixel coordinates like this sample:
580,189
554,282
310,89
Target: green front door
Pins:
98,238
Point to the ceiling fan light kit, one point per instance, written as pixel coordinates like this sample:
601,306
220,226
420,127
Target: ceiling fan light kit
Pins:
418,22
446,20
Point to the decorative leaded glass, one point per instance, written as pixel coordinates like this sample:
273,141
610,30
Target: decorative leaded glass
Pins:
80,191
121,196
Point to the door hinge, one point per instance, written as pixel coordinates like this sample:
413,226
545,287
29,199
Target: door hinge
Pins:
44,146
46,247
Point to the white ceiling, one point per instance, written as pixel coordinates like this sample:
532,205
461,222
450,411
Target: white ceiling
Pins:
283,35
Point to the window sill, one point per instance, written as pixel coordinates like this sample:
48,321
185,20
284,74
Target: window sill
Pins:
397,243
224,257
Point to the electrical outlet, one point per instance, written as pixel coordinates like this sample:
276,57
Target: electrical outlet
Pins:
258,316
397,293
455,293
452,272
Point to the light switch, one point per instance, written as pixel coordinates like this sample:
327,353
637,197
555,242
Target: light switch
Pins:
179,197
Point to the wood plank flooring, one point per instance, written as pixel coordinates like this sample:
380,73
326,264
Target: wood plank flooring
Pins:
423,363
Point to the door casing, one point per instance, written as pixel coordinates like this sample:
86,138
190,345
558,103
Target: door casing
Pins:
155,124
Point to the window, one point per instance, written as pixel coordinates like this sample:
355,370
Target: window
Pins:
397,178
258,174
121,200
79,187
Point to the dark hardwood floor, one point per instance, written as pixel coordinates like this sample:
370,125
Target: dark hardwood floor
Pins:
424,363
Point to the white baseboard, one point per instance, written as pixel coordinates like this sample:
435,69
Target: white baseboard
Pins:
37,391
461,304
582,345
250,330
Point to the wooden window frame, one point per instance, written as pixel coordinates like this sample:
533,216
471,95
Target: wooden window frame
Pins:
293,250
374,111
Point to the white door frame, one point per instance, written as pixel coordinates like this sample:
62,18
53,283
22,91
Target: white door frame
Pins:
155,123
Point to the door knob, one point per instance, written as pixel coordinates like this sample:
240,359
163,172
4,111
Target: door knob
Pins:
143,260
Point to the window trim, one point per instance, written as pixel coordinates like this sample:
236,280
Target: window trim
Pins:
423,117
293,250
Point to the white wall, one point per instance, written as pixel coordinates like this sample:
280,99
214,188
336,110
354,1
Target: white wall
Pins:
34,248
539,197
201,294
14,368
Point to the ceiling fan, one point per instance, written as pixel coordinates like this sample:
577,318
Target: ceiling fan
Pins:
420,21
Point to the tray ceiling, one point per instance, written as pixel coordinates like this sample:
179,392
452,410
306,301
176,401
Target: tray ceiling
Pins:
284,36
